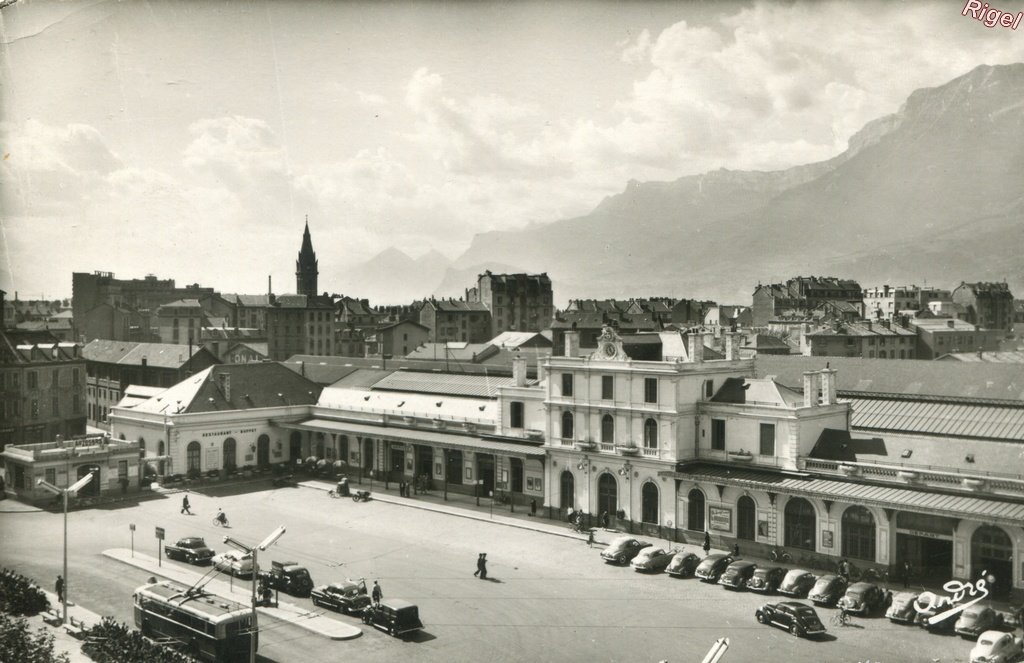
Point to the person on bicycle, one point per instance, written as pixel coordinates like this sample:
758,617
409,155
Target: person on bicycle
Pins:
220,517
844,616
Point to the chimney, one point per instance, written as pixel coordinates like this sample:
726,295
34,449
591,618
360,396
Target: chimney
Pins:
572,343
811,388
730,346
519,371
270,289
695,347
951,324
828,386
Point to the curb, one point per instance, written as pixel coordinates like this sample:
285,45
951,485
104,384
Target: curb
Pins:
284,612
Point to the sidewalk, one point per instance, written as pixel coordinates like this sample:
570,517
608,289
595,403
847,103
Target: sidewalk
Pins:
62,640
241,591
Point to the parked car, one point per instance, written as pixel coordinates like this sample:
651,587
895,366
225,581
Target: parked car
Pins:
288,577
797,582
902,607
349,597
737,574
623,549
234,562
652,559
683,564
935,605
798,618
977,619
711,567
863,598
997,647
766,578
394,617
827,589
191,549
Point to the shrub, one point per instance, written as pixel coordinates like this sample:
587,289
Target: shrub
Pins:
111,641
20,595
18,643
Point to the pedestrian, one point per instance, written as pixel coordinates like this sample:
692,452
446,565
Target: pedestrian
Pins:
59,586
590,539
906,574
479,565
483,566
707,542
735,550
376,594
185,508
844,569
533,507
604,519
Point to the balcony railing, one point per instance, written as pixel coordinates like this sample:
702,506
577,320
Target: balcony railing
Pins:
649,452
607,447
924,473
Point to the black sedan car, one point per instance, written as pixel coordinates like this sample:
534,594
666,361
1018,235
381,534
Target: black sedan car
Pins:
711,567
977,619
799,619
766,579
683,565
827,589
737,574
191,549
349,597
623,549
863,598
797,582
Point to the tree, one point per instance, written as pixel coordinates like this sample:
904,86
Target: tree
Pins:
18,643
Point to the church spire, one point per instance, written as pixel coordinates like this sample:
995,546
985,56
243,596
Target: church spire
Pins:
306,267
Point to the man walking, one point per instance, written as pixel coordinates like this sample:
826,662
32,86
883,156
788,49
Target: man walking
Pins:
185,507
590,539
483,566
479,565
376,594
707,542
59,586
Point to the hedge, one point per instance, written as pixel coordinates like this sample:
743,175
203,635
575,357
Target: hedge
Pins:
111,641
20,595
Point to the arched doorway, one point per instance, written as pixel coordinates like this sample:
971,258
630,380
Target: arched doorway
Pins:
649,502
367,455
295,446
746,518
91,489
607,494
193,453
992,554
567,490
695,510
263,451
858,531
160,451
800,524
229,452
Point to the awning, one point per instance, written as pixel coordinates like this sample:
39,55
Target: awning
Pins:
432,438
886,497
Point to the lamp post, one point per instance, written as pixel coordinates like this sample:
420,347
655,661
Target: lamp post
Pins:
252,551
63,493
625,471
476,490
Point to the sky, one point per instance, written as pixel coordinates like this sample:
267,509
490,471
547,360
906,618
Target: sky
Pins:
192,139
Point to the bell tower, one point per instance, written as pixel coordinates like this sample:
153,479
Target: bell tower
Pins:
306,267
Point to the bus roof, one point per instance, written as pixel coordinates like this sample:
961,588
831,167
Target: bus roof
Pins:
197,601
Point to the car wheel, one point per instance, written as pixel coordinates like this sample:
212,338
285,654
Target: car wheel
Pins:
762,618
190,559
794,630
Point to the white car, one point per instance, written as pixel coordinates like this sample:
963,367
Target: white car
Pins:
997,647
234,563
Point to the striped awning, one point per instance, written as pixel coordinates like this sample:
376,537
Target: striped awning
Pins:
411,436
886,497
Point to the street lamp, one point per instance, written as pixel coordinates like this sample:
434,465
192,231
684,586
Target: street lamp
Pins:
624,471
63,493
262,545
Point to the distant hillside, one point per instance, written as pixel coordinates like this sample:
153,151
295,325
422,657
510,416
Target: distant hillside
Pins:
392,277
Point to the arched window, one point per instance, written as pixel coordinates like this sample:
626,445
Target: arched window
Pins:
992,553
607,494
263,450
858,534
801,524
567,490
142,447
650,434
607,429
192,455
649,502
695,511
746,518
160,448
230,457
567,425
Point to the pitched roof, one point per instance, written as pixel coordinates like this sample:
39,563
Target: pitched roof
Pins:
235,387
481,386
908,376
1001,357
162,355
757,392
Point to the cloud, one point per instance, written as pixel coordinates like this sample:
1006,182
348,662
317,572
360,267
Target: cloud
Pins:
370,98
639,50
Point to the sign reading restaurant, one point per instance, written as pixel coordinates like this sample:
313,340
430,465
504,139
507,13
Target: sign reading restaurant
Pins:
225,433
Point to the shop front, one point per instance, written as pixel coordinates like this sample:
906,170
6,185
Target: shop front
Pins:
925,541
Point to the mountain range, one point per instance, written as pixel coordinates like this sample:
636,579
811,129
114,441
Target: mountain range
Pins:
930,194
